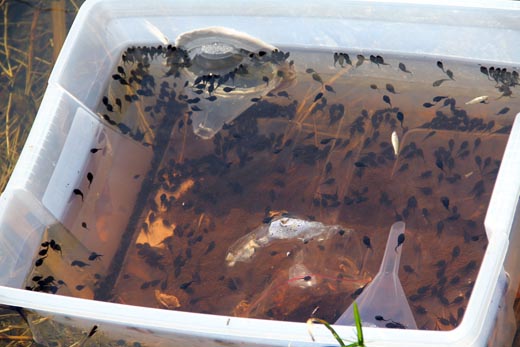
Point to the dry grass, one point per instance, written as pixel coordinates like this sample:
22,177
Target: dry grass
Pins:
32,32
28,49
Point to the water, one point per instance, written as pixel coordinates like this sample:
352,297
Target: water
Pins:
316,146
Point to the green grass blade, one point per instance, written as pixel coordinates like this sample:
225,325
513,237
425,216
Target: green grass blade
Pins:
331,329
359,329
357,318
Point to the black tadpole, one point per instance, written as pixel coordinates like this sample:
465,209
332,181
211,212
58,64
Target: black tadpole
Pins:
395,325
400,240
402,67
329,88
185,285
386,99
439,98
92,331
78,192
317,78
400,117
380,60
439,82
366,242
90,177
56,247
78,263
360,60
94,256
445,202
439,164
390,88
503,111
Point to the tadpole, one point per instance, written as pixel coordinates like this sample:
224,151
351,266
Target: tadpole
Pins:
400,240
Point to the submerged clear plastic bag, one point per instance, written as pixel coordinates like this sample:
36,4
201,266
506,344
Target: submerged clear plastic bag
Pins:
284,228
291,268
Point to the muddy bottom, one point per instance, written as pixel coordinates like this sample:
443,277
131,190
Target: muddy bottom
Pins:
354,144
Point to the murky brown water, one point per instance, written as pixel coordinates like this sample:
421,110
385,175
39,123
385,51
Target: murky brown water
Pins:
316,148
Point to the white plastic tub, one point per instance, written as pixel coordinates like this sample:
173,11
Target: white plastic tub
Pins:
66,128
